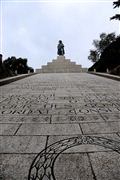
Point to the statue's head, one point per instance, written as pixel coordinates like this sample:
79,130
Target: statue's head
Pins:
60,41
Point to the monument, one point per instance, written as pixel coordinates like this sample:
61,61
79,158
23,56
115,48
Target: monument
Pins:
60,48
61,64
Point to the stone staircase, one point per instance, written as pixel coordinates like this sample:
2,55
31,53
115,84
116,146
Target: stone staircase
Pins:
61,65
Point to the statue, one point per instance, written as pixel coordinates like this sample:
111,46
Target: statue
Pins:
60,48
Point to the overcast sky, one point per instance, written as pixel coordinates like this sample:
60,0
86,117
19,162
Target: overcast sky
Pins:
32,29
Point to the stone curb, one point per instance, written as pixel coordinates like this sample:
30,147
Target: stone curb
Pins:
15,78
110,76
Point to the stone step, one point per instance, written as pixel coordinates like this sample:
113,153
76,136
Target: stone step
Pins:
65,63
59,70
61,64
44,66
62,67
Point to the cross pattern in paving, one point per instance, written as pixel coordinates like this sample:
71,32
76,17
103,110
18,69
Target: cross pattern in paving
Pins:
46,114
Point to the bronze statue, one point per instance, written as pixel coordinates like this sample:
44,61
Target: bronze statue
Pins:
60,48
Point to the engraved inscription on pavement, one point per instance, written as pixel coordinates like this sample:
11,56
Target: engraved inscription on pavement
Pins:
50,121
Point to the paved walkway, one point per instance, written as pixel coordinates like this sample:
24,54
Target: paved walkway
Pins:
74,119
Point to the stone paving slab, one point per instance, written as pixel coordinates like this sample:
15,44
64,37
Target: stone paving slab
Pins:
24,119
49,129
15,166
106,162
73,166
97,128
8,129
22,144
74,115
111,117
76,119
87,147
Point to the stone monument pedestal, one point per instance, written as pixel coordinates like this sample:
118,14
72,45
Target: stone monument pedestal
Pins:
61,65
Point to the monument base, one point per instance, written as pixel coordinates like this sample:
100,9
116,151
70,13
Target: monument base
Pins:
61,65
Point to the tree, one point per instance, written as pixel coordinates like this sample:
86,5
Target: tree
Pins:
94,56
100,45
116,4
109,59
17,64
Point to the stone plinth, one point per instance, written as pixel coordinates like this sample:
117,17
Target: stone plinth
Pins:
61,65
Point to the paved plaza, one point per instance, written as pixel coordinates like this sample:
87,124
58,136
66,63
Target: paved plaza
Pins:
60,127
